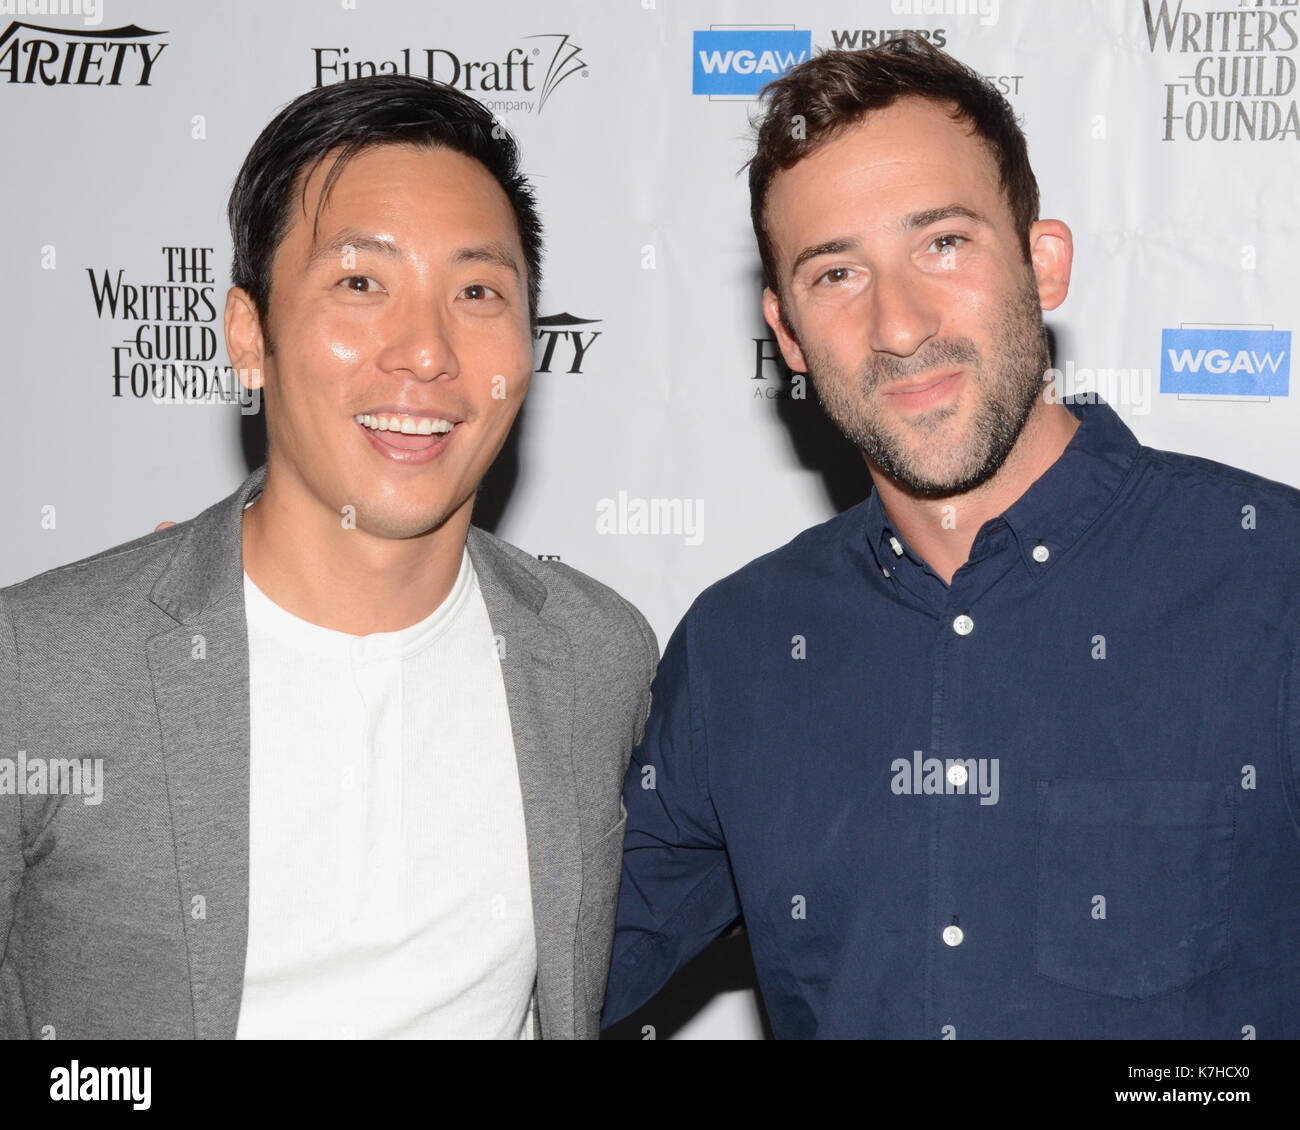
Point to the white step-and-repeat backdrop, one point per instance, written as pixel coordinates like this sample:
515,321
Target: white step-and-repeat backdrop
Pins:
1165,132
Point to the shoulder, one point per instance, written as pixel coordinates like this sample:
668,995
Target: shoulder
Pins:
1194,473
588,610
1195,503
113,577
813,559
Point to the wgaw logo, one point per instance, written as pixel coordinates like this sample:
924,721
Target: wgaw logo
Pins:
527,76
1225,361
59,56
739,62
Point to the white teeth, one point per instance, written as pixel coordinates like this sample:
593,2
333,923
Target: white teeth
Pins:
407,425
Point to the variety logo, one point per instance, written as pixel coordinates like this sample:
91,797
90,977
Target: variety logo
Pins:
563,341
56,56
529,75
740,62
1225,361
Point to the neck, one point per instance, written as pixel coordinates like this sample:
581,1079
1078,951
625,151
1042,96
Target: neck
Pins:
299,554
942,530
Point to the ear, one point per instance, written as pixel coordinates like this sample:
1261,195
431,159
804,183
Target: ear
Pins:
1051,251
790,348
245,343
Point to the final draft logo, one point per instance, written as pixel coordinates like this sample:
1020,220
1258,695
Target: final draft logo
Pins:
60,56
770,368
1239,77
520,79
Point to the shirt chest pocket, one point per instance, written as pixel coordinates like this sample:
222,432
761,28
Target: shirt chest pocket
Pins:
1133,884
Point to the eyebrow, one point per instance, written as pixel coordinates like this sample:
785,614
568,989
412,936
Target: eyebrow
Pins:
490,252
351,239
833,247
934,215
907,223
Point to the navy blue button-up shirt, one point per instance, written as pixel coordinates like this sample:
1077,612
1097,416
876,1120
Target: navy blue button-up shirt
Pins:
1057,798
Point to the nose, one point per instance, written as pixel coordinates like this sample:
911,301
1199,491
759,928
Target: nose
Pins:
902,317
420,344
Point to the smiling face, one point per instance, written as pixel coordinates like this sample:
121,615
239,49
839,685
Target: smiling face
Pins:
401,345
906,296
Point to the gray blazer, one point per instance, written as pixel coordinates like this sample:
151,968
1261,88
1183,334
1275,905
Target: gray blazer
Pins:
129,919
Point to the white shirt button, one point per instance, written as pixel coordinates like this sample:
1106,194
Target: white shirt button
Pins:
952,935
957,775
963,625
1041,553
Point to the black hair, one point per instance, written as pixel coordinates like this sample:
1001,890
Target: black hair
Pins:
349,117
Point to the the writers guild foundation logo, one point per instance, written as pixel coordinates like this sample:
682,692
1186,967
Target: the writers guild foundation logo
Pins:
1237,75
563,341
60,56
520,79
170,354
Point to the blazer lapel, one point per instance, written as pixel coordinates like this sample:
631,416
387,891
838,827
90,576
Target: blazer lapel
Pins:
200,678
537,667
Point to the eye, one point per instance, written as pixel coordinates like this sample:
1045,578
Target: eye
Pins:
836,275
948,242
477,292
360,284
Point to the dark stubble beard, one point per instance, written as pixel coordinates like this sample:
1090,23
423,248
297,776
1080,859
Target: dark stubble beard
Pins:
1006,383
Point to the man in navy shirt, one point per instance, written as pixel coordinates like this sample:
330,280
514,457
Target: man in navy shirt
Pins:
1011,749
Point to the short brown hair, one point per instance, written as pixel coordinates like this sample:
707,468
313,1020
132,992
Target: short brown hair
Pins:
835,89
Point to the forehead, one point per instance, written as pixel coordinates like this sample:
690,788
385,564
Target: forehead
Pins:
907,157
433,194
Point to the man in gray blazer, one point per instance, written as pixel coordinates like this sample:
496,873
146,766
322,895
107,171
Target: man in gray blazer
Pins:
326,760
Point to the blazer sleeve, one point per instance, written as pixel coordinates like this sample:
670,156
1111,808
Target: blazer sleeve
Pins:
12,864
650,656
677,892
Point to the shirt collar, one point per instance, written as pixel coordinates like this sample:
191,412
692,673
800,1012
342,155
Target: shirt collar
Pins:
1057,508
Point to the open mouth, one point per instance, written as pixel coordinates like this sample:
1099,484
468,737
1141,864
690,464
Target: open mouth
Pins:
407,439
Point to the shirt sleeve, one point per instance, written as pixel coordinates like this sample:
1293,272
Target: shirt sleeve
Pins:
677,892
11,840
1291,728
